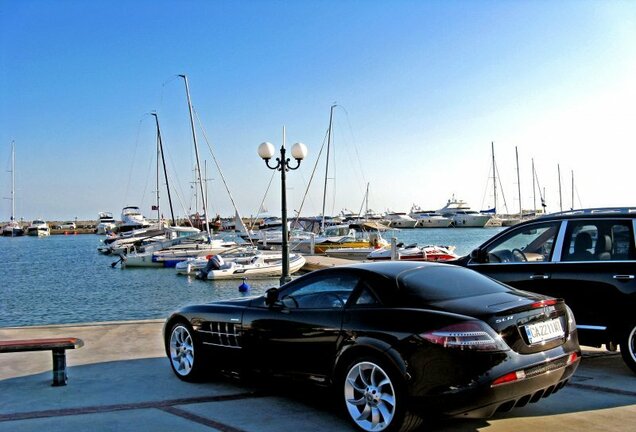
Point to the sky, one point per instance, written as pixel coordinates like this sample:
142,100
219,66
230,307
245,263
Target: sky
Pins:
422,89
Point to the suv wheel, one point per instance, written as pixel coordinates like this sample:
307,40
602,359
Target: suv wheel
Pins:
628,347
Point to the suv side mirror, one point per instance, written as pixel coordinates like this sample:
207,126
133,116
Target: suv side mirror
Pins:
478,255
271,296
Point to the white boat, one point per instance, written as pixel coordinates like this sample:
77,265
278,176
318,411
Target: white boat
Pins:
462,215
192,266
38,228
429,218
105,223
259,266
13,228
118,244
172,249
169,257
416,253
132,219
400,220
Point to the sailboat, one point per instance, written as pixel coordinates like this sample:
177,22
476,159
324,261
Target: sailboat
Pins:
13,228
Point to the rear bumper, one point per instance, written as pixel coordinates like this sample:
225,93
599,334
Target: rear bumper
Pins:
482,400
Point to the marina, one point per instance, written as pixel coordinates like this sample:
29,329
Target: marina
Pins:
62,279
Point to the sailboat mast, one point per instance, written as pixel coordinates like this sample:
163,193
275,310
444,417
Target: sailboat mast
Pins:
560,196
165,171
12,180
366,204
196,152
494,176
157,181
324,194
518,183
572,208
534,189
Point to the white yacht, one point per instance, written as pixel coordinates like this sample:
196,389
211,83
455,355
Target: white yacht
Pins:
429,218
462,215
132,219
105,223
400,220
38,228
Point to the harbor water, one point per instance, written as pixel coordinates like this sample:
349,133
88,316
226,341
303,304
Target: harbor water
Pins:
63,279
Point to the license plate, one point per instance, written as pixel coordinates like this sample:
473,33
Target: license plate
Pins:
544,331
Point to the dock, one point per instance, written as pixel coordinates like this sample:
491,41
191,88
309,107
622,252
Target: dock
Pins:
318,262
121,380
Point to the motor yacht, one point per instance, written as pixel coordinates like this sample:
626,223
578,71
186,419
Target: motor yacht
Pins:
38,228
462,215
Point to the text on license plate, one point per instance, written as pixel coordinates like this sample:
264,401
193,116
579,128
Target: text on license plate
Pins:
544,331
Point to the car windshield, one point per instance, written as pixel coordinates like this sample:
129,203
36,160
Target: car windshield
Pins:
446,282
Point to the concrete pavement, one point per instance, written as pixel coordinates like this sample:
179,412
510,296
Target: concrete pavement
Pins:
121,381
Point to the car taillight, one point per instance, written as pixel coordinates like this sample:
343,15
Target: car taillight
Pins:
543,303
470,335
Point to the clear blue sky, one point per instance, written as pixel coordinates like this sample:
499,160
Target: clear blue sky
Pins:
423,88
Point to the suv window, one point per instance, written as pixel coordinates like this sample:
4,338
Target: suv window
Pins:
602,240
532,243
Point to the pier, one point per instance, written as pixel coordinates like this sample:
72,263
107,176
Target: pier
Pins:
121,380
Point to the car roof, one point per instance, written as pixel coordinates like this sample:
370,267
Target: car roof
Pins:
591,213
389,269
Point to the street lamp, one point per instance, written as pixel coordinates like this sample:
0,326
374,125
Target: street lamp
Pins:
299,151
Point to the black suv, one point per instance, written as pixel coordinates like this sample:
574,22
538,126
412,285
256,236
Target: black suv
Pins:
586,257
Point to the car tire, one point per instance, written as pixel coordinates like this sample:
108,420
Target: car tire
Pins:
628,347
374,396
184,352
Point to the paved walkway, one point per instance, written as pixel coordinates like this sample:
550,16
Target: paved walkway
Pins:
121,381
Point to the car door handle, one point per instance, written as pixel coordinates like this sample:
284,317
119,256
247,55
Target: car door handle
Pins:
539,277
624,277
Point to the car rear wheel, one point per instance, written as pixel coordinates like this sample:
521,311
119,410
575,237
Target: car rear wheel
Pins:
184,352
374,397
628,348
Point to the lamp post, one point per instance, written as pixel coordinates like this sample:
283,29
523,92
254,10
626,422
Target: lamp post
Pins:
299,151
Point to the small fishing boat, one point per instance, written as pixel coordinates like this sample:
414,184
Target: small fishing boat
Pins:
259,266
38,228
414,252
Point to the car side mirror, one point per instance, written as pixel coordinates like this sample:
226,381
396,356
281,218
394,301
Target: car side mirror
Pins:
478,255
271,296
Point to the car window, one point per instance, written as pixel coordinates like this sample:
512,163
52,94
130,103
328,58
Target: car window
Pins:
330,292
603,240
531,243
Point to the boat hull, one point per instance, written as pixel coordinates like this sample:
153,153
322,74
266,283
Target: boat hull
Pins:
257,270
38,232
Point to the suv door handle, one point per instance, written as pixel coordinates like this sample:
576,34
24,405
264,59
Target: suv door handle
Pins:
624,277
541,277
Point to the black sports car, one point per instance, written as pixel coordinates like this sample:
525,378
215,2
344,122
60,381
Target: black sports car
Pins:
398,340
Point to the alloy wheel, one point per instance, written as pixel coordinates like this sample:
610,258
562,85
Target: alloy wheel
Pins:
181,350
369,396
